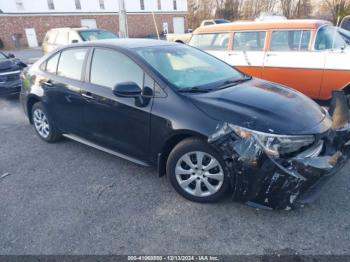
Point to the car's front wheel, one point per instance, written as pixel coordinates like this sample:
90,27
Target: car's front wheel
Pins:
43,124
196,171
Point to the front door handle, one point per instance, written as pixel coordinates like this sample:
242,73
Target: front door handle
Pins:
88,95
271,55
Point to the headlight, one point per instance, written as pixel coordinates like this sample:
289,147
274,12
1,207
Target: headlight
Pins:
275,145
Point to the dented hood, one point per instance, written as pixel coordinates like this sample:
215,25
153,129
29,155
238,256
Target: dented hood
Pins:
265,107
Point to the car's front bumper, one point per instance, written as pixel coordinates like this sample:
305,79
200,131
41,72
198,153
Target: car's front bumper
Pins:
265,182
10,85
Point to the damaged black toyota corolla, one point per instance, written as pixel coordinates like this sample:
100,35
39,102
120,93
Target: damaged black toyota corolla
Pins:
210,128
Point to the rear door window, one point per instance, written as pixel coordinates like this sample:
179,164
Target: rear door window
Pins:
249,41
219,41
71,63
290,40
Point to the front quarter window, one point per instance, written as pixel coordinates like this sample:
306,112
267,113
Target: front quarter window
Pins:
329,38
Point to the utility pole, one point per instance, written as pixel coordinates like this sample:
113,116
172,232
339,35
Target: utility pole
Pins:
123,20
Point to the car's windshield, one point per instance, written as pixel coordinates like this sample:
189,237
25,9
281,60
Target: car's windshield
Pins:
96,35
2,56
186,67
328,37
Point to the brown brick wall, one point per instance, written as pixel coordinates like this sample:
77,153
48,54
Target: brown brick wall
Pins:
140,25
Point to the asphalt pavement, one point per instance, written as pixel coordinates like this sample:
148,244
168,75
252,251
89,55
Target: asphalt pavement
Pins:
67,198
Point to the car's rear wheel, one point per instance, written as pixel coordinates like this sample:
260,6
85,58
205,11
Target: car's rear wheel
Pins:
197,172
43,124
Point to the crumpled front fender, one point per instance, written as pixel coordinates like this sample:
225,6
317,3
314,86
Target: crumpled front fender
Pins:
264,182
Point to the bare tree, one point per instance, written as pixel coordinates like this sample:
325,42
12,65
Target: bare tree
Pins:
200,10
338,8
296,8
229,9
253,8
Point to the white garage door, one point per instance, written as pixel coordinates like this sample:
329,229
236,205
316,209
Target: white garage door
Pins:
89,23
179,25
31,37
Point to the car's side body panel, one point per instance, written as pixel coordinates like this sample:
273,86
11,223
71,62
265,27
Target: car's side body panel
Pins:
315,73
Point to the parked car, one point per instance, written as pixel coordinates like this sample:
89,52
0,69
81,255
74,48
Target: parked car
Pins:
185,38
345,23
10,69
214,22
59,37
345,34
308,55
209,127
179,38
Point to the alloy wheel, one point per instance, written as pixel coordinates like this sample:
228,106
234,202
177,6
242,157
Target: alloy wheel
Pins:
41,123
199,174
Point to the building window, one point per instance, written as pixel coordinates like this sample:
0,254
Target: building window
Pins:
77,5
159,4
50,4
102,4
142,4
19,4
175,4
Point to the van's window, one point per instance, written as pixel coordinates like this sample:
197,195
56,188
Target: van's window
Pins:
71,63
51,65
62,38
290,40
96,35
253,41
109,68
211,41
50,37
329,38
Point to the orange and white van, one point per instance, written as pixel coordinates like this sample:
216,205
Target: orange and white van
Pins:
307,55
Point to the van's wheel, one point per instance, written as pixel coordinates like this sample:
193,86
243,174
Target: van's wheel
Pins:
43,124
197,171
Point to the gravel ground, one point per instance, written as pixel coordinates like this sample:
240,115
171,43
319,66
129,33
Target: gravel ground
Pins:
67,198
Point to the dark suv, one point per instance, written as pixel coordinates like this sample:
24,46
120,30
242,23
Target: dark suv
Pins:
209,127
10,69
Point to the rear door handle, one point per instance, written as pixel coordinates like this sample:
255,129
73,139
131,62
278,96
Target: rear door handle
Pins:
271,55
88,95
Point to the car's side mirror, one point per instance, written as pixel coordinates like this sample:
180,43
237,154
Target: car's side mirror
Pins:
127,89
11,55
190,31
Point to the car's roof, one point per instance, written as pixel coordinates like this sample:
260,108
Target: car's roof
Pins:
127,43
76,29
264,25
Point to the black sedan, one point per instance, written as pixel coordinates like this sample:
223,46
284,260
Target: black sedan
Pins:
210,128
10,69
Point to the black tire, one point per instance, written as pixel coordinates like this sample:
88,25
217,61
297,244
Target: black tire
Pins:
196,145
54,134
